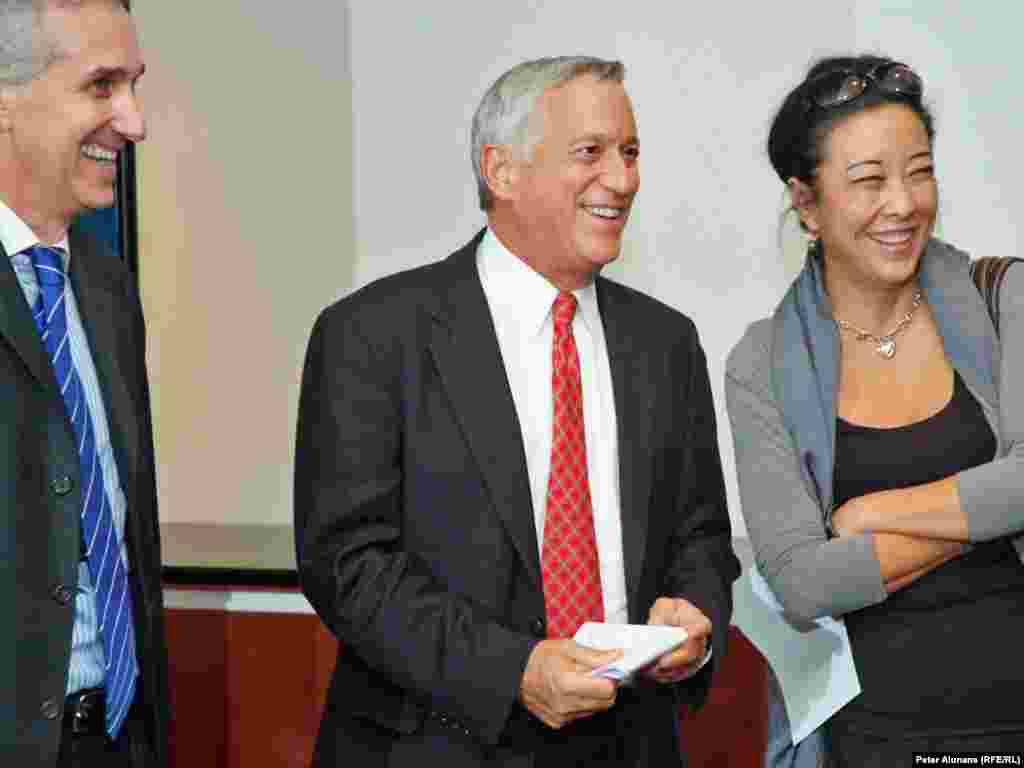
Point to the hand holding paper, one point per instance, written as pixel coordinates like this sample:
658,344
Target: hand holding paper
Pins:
686,660
558,687
641,644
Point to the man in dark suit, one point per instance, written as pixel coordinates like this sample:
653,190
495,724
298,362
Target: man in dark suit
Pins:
83,667
500,446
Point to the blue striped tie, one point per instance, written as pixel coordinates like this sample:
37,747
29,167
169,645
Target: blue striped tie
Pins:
103,547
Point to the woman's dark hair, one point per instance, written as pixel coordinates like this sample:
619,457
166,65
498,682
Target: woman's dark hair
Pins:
800,129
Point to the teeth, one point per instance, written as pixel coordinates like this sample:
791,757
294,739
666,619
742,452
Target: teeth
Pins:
894,238
96,152
605,213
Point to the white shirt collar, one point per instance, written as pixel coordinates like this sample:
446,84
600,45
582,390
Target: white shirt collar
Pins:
523,295
16,235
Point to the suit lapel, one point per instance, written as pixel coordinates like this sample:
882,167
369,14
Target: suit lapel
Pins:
102,310
18,328
466,352
634,391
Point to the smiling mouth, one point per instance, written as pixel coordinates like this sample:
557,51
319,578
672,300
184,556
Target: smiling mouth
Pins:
607,212
895,238
99,154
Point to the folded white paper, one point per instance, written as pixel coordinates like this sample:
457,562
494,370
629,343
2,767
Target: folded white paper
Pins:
813,661
641,644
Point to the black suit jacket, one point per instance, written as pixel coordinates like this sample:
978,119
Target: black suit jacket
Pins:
39,510
415,530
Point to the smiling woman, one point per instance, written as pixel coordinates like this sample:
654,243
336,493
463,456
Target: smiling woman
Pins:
871,204
874,436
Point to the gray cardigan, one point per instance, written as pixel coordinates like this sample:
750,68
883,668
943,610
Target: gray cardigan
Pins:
811,574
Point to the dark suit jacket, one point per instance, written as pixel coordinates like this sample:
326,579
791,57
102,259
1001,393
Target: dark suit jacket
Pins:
415,530
39,509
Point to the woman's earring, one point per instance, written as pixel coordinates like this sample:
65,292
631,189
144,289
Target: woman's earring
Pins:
813,244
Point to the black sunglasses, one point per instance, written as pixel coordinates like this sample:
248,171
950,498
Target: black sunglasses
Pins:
840,86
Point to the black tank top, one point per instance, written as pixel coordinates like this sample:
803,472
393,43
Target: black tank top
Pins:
942,654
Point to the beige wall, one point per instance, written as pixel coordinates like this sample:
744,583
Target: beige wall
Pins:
245,230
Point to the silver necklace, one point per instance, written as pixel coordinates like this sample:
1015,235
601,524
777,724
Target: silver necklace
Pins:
885,345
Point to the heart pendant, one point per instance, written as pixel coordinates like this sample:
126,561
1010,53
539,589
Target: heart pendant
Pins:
886,348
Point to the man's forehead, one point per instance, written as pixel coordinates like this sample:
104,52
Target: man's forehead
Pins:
584,82
584,104
92,26
97,60
585,90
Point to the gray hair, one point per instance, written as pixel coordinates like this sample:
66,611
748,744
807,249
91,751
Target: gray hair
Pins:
503,116
24,51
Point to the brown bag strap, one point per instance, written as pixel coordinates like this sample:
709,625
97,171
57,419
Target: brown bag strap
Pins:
988,273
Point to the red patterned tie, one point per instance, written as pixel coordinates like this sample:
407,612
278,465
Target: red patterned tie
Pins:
572,577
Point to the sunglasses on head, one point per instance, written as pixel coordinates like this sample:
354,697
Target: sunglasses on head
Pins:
832,89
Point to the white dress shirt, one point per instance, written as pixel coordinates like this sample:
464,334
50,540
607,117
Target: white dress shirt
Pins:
88,667
521,301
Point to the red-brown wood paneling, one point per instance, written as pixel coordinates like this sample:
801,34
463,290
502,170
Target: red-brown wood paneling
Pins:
325,654
243,689
248,690
730,730
271,716
197,648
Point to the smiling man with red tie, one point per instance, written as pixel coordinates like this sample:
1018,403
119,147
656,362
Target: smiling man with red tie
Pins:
83,667
496,448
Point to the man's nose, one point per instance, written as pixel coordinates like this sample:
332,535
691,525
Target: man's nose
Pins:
128,119
622,174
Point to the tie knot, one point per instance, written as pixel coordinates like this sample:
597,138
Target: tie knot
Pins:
564,309
49,265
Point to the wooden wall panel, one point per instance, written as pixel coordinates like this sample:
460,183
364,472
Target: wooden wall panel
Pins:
325,654
270,680
243,689
197,647
248,691
730,730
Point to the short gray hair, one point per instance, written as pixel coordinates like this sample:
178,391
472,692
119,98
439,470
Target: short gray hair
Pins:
503,116
21,54
24,51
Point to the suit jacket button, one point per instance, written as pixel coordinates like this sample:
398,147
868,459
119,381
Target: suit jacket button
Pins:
62,594
50,709
61,485
537,627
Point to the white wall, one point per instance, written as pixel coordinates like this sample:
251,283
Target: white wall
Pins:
271,164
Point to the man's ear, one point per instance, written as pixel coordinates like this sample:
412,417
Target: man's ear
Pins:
500,169
805,203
